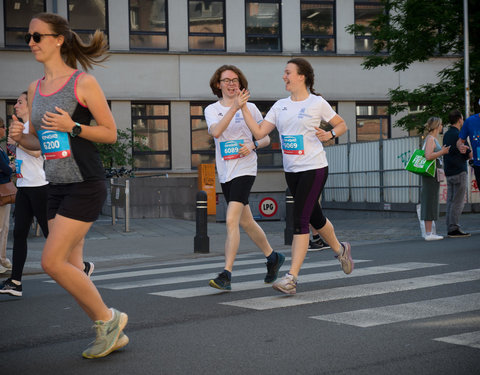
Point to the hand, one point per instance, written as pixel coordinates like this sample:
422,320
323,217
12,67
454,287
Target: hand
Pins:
60,121
463,148
244,150
10,141
15,131
323,135
445,149
241,98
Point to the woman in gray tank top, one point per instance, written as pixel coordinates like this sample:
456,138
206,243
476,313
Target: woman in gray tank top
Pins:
61,105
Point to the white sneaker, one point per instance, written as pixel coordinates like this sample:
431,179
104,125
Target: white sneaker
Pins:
6,263
433,237
2,269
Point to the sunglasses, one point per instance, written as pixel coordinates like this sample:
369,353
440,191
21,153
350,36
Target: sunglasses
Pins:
37,37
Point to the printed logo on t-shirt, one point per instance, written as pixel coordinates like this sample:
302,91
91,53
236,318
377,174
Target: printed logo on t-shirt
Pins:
238,118
54,144
302,114
230,149
18,168
293,144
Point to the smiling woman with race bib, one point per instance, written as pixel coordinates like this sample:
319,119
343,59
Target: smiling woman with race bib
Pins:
236,162
297,119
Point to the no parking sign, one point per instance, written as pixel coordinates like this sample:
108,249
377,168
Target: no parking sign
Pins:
268,207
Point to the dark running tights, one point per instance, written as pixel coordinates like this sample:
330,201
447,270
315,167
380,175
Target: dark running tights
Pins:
306,188
29,202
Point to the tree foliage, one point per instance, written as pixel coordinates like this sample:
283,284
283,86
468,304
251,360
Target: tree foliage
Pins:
416,31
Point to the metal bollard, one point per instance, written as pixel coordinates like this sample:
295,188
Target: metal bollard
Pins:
201,243
289,201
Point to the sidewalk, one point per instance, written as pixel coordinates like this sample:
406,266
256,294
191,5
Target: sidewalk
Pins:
164,239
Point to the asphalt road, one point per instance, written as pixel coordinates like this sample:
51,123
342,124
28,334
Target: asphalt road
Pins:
409,307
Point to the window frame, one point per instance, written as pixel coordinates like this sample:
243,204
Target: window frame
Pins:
376,116
203,104
365,37
154,117
81,32
214,35
133,32
7,29
268,36
333,36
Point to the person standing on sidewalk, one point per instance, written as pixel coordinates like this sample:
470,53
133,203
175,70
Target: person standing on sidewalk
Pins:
471,130
429,198
61,106
5,174
236,160
297,119
456,172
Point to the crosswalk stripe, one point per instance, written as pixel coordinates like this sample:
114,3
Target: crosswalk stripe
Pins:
355,291
250,285
471,339
406,311
204,277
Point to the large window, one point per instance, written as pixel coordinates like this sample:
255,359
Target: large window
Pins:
365,12
372,120
262,22
318,26
148,24
151,127
203,145
206,25
86,16
18,14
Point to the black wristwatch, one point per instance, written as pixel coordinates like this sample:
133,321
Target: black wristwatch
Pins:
76,130
334,135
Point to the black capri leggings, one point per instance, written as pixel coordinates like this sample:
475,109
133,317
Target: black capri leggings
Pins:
306,188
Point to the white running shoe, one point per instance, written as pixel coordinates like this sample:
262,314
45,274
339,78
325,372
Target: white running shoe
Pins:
433,237
287,284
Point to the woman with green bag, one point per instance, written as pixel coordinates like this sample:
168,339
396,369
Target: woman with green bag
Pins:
429,199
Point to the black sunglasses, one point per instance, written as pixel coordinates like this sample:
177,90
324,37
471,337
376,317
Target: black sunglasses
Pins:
37,37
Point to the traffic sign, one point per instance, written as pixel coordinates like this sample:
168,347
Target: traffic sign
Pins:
268,207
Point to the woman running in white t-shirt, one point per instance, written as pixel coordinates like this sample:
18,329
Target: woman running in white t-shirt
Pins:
297,119
236,162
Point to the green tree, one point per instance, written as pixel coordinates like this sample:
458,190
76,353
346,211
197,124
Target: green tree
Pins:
119,154
416,31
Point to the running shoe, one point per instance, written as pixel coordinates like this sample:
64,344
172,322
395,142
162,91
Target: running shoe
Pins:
89,267
346,258
273,268
6,263
9,287
287,284
433,237
458,233
221,282
122,341
107,335
317,245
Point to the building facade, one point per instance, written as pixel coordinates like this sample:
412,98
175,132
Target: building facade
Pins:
163,53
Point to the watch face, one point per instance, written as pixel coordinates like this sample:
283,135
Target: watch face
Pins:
76,130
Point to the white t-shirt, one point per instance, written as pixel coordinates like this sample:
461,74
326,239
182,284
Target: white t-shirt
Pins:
29,169
296,123
229,163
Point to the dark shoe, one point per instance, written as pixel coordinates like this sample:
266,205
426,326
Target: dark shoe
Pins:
221,282
8,287
317,245
273,268
89,267
458,233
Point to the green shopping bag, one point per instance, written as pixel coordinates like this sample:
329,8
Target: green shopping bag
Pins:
419,165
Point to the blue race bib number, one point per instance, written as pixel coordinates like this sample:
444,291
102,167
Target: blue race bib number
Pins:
293,144
18,168
230,149
54,144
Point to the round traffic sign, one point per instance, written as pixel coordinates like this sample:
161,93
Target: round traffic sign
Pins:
268,207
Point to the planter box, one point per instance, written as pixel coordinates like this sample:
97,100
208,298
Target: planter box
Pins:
156,197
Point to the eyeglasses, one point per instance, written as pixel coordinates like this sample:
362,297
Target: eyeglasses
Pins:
227,81
37,37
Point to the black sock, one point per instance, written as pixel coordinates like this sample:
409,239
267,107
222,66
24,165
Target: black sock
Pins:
272,258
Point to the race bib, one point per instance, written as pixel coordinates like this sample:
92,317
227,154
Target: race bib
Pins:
54,144
230,149
293,144
18,168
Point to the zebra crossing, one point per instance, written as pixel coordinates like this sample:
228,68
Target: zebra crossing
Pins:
188,279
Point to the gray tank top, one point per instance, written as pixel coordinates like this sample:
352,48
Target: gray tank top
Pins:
67,159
